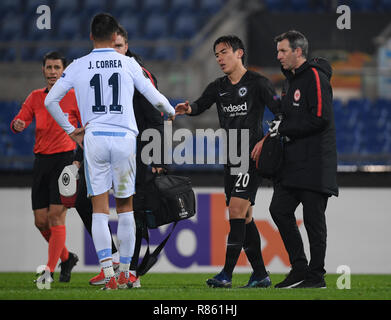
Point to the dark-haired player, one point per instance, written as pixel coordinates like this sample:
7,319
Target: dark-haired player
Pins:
240,96
53,150
146,117
104,83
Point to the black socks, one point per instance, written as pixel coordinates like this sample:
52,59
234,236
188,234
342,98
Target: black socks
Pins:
235,243
252,248
245,236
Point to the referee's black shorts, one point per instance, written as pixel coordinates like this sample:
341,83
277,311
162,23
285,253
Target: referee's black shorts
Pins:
47,169
244,185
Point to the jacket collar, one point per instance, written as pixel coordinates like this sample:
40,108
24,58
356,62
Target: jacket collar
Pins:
290,75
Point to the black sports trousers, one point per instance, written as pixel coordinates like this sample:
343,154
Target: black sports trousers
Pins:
282,208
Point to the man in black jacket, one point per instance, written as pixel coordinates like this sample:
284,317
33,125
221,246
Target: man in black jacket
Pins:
308,173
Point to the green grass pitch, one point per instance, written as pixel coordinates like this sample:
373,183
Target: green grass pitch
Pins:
185,286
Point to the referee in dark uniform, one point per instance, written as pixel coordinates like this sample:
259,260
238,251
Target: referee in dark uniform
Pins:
240,96
308,174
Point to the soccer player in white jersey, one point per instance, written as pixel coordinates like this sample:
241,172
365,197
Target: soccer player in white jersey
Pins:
104,82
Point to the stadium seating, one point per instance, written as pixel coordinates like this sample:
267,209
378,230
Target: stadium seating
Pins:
11,27
131,23
182,6
210,6
363,127
92,7
143,19
69,27
125,7
164,53
154,6
185,26
156,26
11,6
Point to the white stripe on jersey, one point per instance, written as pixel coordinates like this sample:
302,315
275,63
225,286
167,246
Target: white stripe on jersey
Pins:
104,82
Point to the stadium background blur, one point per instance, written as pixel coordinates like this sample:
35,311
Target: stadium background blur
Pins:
175,39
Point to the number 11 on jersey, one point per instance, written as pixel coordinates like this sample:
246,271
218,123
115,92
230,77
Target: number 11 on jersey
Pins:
114,83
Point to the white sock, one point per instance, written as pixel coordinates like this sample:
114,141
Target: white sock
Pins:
102,239
126,235
116,257
109,273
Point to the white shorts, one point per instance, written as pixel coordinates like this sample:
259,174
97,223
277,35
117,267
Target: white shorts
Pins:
110,162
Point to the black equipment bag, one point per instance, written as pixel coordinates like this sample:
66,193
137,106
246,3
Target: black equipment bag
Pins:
270,159
165,199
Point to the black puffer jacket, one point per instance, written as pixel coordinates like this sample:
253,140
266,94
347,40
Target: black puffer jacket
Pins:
310,159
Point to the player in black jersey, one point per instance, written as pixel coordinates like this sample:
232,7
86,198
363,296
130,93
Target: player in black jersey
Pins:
240,96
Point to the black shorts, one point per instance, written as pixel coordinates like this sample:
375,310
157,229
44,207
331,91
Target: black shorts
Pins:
47,169
244,185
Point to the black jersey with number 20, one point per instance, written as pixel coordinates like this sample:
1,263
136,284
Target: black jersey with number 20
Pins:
240,105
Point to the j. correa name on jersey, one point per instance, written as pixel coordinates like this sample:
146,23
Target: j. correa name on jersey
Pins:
236,110
99,64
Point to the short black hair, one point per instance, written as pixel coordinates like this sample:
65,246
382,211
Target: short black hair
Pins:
122,32
296,40
54,55
103,25
234,42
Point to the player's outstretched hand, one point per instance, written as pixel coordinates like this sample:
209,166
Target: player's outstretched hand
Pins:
182,108
19,125
78,136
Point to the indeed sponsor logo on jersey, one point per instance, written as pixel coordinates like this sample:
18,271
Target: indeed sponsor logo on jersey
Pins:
242,108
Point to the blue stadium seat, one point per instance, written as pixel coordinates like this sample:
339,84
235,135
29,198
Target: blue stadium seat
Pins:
75,53
92,7
28,54
164,53
69,27
68,6
359,5
182,6
384,5
7,54
39,52
11,27
143,52
125,7
156,26
185,26
299,5
276,5
211,6
154,6
11,6
131,24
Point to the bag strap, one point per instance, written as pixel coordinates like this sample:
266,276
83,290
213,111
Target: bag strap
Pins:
149,259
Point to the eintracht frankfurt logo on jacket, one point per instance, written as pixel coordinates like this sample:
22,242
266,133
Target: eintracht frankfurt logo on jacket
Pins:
297,94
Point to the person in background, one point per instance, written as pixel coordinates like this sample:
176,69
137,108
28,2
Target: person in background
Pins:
309,170
240,96
53,150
